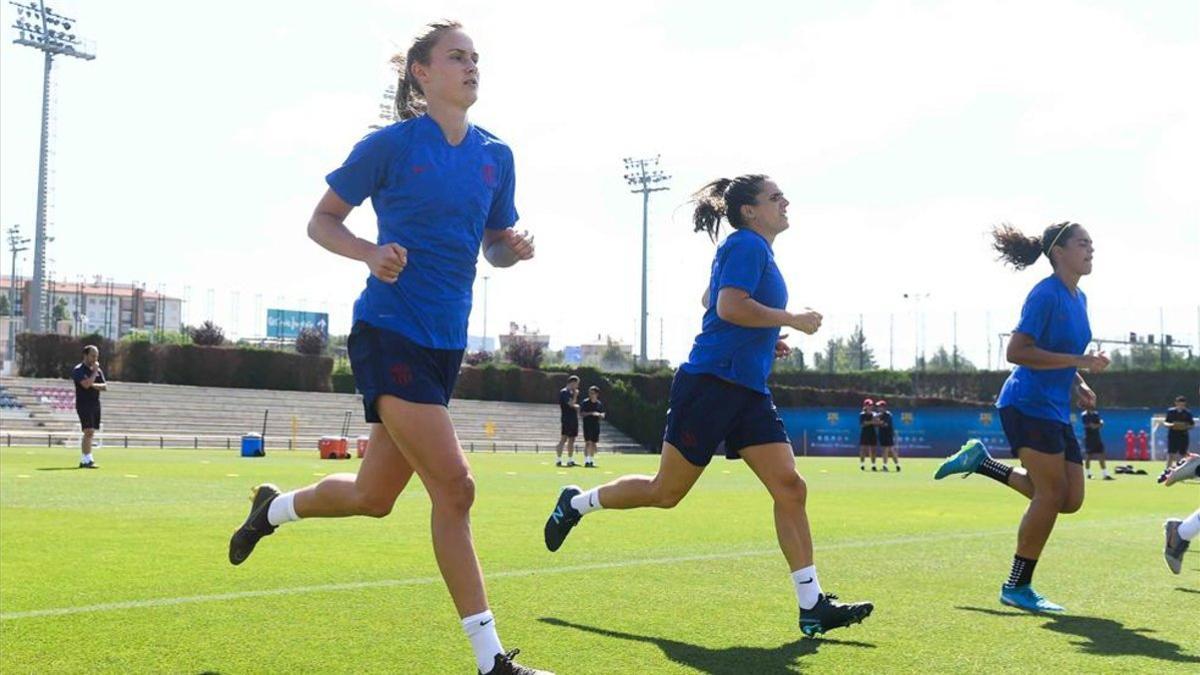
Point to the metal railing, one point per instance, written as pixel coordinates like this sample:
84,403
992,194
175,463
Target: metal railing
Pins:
230,442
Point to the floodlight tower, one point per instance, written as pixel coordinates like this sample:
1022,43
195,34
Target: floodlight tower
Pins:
51,34
642,174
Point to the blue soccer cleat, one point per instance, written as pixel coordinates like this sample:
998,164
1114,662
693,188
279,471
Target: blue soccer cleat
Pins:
1024,597
562,519
965,461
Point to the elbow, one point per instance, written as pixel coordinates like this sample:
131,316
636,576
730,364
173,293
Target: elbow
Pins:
726,312
313,229
1014,356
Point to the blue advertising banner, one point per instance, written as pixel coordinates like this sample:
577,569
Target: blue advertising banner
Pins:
936,432
287,323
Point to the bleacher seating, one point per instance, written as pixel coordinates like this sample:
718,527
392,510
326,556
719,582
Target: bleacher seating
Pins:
8,401
216,413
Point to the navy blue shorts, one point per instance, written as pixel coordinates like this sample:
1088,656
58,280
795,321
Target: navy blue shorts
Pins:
1177,444
1048,436
385,362
887,440
89,416
570,427
867,437
706,411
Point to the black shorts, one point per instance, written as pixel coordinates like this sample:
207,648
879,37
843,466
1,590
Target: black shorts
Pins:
570,427
887,440
89,416
1049,436
867,437
706,411
386,362
1093,446
591,433
1177,444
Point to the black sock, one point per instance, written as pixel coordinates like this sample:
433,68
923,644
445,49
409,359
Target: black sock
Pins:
1022,572
994,470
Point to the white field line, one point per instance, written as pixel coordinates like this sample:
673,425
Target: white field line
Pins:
421,581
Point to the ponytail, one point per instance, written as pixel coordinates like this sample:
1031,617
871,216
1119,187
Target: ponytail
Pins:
710,207
724,198
1021,251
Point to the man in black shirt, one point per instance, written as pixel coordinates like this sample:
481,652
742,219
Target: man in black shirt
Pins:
568,405
89,382
1179,422
1092,442
867,436
592,411
887,434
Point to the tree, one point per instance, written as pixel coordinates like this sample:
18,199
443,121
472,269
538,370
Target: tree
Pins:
524,353
858,355
613,358
5,310
478,358
1150,357
61,313
208,334
310,341
943,361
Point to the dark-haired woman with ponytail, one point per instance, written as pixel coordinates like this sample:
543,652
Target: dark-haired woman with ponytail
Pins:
441,187
1049,348
720,394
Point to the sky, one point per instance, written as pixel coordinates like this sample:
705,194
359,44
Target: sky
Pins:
190,153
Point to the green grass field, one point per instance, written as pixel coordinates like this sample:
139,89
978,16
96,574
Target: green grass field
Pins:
124,570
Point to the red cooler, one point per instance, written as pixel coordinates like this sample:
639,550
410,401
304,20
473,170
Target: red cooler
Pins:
333,447
362,446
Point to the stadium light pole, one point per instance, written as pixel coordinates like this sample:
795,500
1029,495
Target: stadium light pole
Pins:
52,34
642,175
16,244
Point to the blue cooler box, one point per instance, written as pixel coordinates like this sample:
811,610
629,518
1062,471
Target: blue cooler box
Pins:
252,446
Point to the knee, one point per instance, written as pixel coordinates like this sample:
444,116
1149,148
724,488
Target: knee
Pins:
1071,503
667,497
375,506
792,490
456,494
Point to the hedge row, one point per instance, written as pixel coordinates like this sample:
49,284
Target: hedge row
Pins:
1121,389
56,355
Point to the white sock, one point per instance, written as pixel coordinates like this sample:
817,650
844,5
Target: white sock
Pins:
481,631
282,509
808,589
1190,527
587,502
87,458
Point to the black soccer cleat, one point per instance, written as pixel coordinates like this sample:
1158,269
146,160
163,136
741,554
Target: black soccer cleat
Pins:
88,465
564,517
828,614
504,665
242,543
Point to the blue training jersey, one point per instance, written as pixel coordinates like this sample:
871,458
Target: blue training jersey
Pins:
1058,322
434,199
735,353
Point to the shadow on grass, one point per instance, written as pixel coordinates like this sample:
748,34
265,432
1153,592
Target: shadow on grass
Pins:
59,468
1103,637
729,661
1187,590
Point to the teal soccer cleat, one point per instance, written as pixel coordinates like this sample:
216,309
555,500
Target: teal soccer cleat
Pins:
1024,597
965,461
